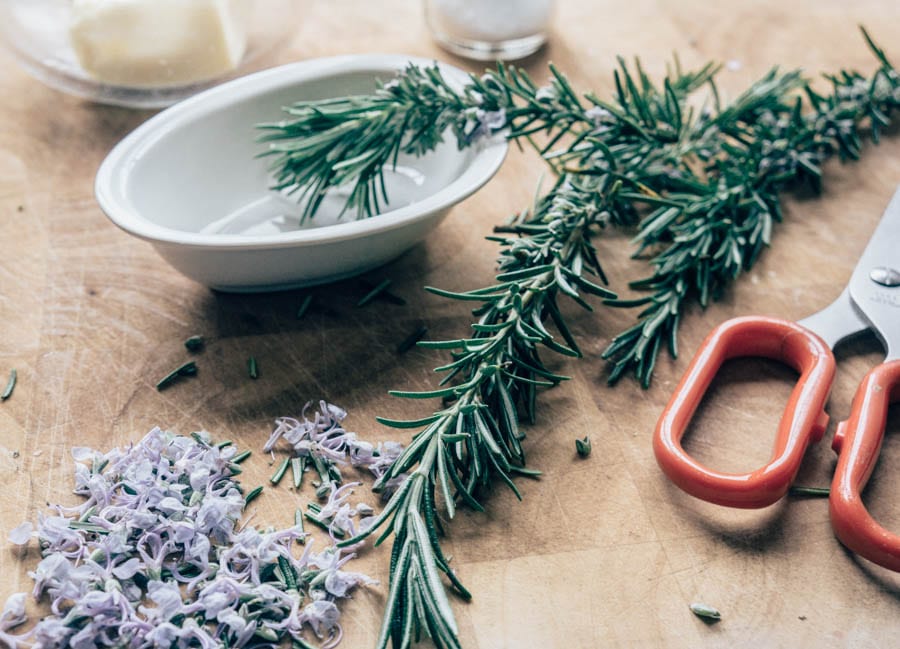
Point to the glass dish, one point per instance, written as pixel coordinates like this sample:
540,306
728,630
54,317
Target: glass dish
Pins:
489,30
38,35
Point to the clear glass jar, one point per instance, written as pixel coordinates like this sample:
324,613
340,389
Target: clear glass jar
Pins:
142,53
489,30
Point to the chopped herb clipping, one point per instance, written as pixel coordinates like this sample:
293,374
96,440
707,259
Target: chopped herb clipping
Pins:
410,341
188,369
583,446
279,472
10,385
252,368
250,497
705,612
304,306
815,492
386,295
375,292
194,343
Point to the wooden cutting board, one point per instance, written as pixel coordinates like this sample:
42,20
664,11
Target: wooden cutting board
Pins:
602,552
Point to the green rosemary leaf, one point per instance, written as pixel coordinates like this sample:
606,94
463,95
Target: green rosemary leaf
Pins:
474,297
240,457
194,343
280,471
250,497
525,273
401,568
583,446
87,527
298,520
325,525
443,474
396,500
809,491
298,466
441,344
435,590
304,305
10,385
375,292
403,423
252,368
429,394
188,369
410,341
705,611
385,295
531,473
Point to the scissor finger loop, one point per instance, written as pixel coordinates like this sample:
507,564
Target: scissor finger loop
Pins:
803,422
858,444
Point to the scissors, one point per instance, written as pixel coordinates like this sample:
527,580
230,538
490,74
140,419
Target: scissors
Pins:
871,301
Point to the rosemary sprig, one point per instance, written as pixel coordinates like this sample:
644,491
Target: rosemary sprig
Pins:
477,438
715,202
352,140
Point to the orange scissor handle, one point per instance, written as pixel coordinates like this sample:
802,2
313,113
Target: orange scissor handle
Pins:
858,442
804,419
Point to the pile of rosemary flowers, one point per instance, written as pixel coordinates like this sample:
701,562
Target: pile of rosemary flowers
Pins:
155,557
700,188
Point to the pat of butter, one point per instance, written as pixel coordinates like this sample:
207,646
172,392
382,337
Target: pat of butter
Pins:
156,43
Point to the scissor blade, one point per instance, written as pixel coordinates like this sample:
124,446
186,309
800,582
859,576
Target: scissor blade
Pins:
875,283
838,321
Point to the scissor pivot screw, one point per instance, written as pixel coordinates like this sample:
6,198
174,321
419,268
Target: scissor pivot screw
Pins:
885,276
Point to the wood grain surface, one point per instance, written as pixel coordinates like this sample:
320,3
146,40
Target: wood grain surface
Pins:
603,552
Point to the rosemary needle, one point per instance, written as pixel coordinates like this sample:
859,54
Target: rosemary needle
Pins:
318,522
409,342
240,457
252,368
387,296
298,466
583,446
194,343
188,369
298,518
304,306
250,497
810,491
375,292
279,473
705,612
10,385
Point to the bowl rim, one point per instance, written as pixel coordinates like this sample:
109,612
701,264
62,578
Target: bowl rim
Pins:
114,171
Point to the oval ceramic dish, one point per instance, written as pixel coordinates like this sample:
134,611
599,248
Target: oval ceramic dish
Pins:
189,182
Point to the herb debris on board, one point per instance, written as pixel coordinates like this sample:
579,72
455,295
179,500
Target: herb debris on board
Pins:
700,188
157,556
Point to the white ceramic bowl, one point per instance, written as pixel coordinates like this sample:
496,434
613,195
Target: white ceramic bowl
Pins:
189,182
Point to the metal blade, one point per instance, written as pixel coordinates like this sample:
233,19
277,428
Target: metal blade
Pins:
837,321
875,284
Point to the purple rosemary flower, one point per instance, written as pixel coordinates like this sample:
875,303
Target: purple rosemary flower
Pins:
154,557
321,437
483,123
